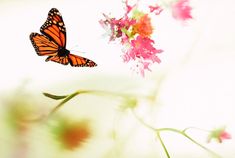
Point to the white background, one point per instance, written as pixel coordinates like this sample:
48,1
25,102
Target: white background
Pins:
198,59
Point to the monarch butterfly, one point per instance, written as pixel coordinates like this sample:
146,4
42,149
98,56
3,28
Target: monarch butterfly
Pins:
52,42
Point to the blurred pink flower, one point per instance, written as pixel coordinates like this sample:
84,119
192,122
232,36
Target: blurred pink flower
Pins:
155,9
128,7
181,10
219,134
225,135
143,66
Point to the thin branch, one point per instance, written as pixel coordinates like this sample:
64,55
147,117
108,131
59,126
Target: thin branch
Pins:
152,128
157,130
90,92
142,122
205,148
188,128
181,132
191,139
163,145
63,102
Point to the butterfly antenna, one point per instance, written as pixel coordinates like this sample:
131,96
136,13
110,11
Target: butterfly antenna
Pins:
73,49
77,51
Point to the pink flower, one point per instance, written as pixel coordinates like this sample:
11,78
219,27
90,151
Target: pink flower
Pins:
142,47
116,26
142,52
224,135
128,7
219,134
181,10
134,29
143,66
156,9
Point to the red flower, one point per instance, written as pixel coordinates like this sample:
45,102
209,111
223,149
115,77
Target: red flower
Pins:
143,26
181,10
72,134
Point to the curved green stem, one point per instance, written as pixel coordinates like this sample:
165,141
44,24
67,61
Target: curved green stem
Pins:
163,145
157,130
90,92
142,122
154,129
205,148
181,132
191,139
188,128
63,102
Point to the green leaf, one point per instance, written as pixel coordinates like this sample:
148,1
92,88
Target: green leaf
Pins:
56,97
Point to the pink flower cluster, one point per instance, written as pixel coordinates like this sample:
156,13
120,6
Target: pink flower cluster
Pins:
134,30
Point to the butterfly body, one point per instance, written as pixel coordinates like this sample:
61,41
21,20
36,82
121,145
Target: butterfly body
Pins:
52,42
62,52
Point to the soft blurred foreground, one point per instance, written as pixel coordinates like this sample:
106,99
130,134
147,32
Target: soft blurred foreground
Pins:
102,123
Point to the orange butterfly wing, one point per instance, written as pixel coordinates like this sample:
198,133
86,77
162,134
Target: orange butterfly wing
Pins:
61,60
42,45
54,28
79,61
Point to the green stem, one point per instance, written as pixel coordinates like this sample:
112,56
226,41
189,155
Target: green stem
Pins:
205,148
157,130
142,122
181,132
191,139
90,91
152,128
188,128
163,145
63,102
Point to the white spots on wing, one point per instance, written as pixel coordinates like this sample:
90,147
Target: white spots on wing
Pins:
58,13
61,24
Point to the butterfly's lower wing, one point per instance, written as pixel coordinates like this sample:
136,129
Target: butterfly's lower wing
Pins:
43,46
74,60
57,59
79,61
